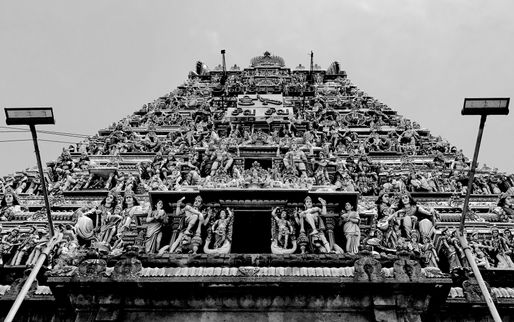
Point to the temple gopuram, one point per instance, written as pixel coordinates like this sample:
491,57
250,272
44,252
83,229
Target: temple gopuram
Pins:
264,193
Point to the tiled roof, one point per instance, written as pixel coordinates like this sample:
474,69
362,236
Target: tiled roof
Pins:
3,289
41,290
500,292
258,271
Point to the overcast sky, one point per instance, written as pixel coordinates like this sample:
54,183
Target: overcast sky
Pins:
96,61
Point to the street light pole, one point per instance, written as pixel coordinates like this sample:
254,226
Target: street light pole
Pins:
472,172
31,116
482,107
43,182
462,238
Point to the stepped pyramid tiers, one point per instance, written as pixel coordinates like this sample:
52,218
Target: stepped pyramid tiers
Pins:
293,179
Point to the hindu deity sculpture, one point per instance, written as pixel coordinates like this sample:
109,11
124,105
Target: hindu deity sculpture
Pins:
190,225
413,215
130,209
351,228
154,222
219,235
221,160
428,252
481,258
499,250
295,159
315,227
10,244
283,239
9,206
448,250
110,222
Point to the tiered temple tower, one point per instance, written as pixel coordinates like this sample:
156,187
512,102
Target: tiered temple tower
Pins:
263,193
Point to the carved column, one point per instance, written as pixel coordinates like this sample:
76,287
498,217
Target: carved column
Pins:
330,225
175,222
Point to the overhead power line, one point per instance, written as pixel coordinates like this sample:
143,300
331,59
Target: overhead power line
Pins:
43,140
68,134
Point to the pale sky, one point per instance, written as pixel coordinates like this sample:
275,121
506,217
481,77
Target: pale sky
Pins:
96,61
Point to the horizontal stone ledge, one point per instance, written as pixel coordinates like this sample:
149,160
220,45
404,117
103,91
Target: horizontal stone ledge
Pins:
159,283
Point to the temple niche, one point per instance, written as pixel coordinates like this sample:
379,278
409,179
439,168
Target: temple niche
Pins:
244,177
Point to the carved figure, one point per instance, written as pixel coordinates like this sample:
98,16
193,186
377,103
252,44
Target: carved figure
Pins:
154,222
221,232
351,228
283,240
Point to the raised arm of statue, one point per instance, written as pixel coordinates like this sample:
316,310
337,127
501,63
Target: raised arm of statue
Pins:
179,202
323,206
274,213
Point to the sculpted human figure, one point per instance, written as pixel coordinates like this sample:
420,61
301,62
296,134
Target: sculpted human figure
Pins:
321,173
351,228
222,159
448,250
10,244
105,207
284,227
428,252
84,227
498,249
26,245
295,159
477,248
39,243
413,214
312,215
191,213
130,208
505,203
154,222
110,222
9,206
221,226
191,217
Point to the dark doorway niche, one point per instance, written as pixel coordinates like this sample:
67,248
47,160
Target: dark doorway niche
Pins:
264,162
252,232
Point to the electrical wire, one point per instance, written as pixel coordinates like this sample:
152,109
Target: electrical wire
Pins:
46,132
43,140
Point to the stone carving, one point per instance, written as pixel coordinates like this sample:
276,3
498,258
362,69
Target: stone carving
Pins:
311,221
248,270
192,220
471,289
219,235
128,268
368,269
406,269
92,268
283,231
18,284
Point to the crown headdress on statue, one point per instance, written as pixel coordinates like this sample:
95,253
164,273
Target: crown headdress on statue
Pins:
10,190
113,193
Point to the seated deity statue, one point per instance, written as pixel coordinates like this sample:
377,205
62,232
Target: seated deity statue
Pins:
221,160
315,227
192,219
